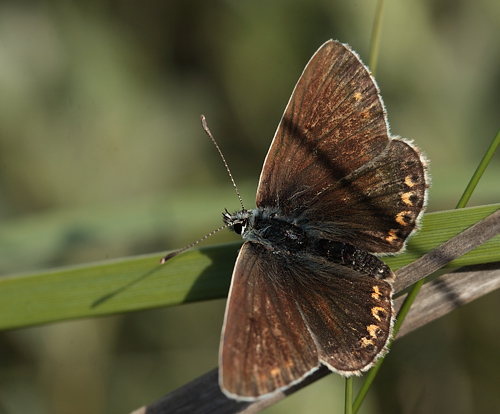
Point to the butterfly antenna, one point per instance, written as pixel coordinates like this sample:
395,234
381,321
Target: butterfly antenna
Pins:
207,130
209,133
173,254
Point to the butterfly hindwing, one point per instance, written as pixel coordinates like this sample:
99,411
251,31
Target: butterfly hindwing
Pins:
349,313
377,206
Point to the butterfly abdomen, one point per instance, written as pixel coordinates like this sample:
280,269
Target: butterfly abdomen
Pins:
355,258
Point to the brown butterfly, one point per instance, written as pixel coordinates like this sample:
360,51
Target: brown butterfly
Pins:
336,188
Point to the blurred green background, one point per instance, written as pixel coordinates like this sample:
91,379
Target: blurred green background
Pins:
102,156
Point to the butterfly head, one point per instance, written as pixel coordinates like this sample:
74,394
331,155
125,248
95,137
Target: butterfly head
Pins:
239,221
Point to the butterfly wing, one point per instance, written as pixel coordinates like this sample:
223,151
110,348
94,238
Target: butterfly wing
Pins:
348,312
333,163
286,315
265,345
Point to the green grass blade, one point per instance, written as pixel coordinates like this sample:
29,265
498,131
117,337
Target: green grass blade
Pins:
135,283
348,396
375,38
115,286
481,168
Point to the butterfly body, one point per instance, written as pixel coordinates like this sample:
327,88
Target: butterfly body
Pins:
267,227
335,191
283,238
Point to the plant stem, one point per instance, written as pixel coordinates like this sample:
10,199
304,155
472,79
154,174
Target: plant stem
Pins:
348,396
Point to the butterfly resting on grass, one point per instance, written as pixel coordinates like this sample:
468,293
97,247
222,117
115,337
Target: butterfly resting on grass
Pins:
336,189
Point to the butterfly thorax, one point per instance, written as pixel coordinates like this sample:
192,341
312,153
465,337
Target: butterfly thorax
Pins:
268,228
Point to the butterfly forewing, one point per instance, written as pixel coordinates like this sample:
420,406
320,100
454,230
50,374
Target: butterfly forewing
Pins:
324,157
333,124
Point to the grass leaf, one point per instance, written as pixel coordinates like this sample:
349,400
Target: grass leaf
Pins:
139,282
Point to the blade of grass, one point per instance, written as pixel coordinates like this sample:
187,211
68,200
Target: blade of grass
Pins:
348,396
115,286
479,171
375,38
136,283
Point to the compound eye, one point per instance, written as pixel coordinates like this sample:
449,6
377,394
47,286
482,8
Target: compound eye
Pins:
238,228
